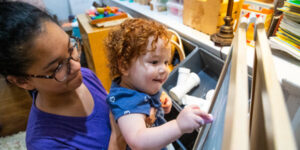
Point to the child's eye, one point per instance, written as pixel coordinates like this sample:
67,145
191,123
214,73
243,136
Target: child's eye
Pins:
154,62
166,62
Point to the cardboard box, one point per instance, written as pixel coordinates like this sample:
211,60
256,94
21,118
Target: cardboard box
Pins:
207,15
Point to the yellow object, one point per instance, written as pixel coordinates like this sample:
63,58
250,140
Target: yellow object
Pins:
257,9
176,44
94,49
235,12
100,10
207,16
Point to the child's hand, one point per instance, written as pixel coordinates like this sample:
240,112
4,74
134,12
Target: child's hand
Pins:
191,117
151,118
166,102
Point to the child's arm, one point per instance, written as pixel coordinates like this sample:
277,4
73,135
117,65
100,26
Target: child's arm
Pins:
138,136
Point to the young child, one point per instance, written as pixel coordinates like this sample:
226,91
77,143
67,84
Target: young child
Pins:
138,53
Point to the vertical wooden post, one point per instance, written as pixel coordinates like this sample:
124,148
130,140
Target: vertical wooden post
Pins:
236,126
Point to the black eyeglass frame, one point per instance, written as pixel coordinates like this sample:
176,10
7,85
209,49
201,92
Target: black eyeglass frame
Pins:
60,65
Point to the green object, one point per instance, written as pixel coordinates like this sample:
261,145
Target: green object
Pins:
100,16
296,2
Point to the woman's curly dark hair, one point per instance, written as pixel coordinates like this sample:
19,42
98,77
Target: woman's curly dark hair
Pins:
130,39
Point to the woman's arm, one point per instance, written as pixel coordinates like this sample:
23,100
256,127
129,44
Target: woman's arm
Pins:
117,141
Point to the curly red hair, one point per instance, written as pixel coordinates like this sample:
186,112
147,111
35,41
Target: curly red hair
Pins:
130,39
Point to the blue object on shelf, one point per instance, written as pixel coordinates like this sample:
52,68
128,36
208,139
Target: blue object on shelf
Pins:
75,29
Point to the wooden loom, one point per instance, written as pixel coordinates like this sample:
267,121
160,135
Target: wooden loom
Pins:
269,126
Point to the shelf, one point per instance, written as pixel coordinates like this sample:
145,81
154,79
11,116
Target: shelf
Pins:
171,21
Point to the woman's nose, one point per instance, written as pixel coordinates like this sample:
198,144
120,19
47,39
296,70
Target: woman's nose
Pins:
74,66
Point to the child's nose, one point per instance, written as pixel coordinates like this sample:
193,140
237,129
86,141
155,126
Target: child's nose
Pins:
163,68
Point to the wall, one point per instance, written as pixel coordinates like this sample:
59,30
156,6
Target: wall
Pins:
60,8
63,8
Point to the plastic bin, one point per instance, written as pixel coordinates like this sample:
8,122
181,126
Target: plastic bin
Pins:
208,67
175,8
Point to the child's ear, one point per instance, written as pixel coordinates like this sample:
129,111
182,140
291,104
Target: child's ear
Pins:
122,67
20,82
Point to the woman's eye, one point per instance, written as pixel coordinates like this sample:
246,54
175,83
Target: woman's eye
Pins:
52,70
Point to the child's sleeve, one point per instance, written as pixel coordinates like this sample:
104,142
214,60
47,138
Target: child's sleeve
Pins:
124,102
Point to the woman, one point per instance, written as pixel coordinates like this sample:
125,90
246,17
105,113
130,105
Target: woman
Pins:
69,109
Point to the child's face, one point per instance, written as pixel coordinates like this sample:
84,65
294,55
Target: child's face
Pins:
148,72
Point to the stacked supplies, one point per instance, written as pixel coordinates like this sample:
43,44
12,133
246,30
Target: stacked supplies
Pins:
288,35
106,16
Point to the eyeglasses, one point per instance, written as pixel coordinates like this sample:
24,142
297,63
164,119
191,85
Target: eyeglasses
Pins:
63,69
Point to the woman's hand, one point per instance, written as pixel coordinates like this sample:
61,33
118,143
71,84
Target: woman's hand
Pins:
166,102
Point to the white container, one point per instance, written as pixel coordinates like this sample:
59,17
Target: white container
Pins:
179,91
210,94
175,8
158,7
183,74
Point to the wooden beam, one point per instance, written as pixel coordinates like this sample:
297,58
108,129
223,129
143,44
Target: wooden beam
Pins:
236,126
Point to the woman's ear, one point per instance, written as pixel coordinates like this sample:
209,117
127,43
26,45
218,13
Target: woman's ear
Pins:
20,82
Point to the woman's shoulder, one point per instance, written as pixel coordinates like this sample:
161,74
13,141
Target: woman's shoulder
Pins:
90,78
93,84
87,72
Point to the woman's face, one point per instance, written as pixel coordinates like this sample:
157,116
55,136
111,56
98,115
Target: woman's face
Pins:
49,50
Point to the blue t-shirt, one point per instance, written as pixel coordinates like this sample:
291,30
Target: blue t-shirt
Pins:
47,131
124,101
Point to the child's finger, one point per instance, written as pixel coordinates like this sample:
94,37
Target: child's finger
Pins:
208,118
199,120
193,106
199,112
